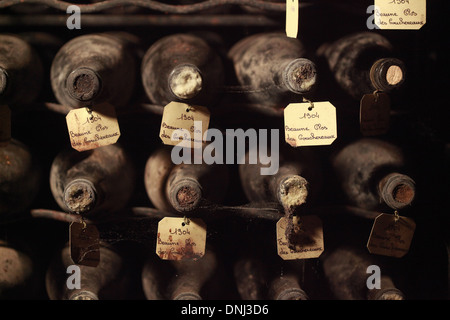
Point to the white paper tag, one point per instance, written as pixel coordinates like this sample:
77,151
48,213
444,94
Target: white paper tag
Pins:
400,14
310,125
181,239
291,18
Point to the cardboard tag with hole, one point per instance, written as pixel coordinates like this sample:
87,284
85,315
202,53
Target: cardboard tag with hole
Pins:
84,244
184,125
5,124
306,239
93,128
181,239
391,235
374,114
310,124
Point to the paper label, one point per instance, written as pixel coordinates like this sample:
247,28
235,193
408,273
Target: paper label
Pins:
391,235
5,123
374,114
90,129
181,239
306,125
306,241
291,18
400,14
84,244
179,125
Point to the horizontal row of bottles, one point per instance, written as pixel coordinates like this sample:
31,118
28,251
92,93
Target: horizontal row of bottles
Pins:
270,68
372,174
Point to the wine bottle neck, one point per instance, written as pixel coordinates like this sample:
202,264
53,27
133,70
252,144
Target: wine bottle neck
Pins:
84,295
3,81
397,190
184,194
83,84
292,191
387,74
80,196
185,81
299,75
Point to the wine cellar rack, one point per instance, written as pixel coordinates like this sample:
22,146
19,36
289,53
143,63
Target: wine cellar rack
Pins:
237,227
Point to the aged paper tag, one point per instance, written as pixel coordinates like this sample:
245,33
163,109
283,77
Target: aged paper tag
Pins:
90,129
310,125
5,123
84,244
306,242
374,114
391,235
400,14
291,18
184,125
181,239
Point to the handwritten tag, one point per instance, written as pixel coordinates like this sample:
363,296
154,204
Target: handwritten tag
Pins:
374,114
90,129
391,235
400,14
291,18
181,239
84,244
5,123
179,125
307,125
306,241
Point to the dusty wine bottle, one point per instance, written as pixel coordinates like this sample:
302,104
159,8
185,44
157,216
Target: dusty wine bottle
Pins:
297,181
20,177
369,173
182,67
346,269
17,272
273,68
183,187
107,281
94,182
21,71
363,62
191,276
255,281
94,68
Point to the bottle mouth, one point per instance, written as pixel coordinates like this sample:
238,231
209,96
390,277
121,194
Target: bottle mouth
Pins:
185,195
84,295
188,296
185,81
397,190
292,294
83,84
80,196
3,81
293,191
387,294
387,74
300,75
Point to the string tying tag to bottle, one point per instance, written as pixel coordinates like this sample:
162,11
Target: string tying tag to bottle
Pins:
391,235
